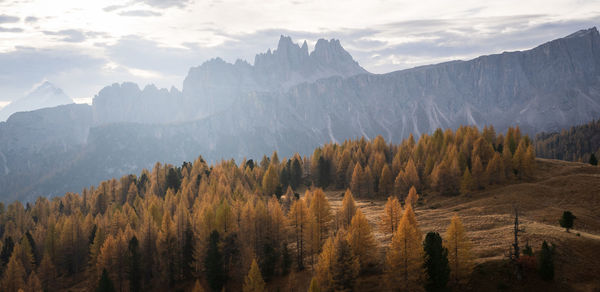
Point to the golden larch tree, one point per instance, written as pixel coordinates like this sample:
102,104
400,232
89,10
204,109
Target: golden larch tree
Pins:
197,287
314,285
33,283
321,211
412,197
361,239
254,281
270,180
14,275
325,264
404,261
357,181
466,183
386,181
392,213
478,173
347,211
298,219
495,169
411,175
460,257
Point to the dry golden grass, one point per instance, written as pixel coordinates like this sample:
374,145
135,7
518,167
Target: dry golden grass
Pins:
488,217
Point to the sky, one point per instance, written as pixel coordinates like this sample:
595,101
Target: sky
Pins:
82,45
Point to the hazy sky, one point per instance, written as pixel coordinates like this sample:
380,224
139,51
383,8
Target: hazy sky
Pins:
82,46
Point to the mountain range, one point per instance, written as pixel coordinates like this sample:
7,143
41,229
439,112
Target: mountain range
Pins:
291,100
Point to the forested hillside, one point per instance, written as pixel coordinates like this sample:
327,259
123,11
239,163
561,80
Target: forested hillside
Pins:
248,224
576,144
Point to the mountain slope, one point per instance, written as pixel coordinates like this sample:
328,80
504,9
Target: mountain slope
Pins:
45,95
293,101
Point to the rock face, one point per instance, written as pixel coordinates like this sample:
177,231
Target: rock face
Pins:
213,86
45,95
292,101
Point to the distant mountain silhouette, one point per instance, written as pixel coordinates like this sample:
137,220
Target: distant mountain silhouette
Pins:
45,95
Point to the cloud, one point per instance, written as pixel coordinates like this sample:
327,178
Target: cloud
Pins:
24,67
166,3
75,36
114,7
68,35
10,29
140,13
8,19
30,19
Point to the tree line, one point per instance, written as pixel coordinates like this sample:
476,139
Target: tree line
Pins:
579,143
220,223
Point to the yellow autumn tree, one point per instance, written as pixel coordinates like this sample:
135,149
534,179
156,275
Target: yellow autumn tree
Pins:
14,275
357,182
270,180
386,181
298,219
478,173
466,183
392,213
361,239
325,264
412,197
404,261
33,283
411,176
495,169
460,257
254,281
347,211
314,285
321,211
197,287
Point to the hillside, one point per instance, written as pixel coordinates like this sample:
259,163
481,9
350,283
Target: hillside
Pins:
575,144
173,226
292,101
488,217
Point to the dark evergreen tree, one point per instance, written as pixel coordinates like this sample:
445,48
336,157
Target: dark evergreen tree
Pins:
173,179
213,263
250,163
105,284
34,251
134,271
286,260
546,262
567,220
188,253
7,249
593,159
284,175
268,262
324,169
296,174
436,263
528,251
231,254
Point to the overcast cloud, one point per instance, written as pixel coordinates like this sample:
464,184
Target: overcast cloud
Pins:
86,47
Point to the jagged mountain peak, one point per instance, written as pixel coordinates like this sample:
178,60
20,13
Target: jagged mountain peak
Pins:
44,95
583,33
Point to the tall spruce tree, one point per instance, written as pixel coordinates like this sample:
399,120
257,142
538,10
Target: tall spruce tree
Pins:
134,271
436,263
213,263
546,262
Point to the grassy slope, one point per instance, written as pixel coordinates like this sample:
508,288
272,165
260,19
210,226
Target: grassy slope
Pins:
488,217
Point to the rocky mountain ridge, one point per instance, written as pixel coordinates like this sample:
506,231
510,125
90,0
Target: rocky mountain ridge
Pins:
231,111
